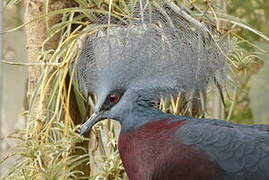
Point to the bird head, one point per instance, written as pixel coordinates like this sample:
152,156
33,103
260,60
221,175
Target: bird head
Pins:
130,67
129,107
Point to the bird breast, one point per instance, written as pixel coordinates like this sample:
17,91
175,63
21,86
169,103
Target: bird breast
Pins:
152,152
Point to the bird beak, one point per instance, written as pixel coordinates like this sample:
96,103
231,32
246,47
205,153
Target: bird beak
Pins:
95,118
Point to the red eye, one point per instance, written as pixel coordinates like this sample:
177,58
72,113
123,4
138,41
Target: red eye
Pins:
114,98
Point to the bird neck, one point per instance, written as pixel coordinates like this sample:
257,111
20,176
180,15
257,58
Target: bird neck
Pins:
141,116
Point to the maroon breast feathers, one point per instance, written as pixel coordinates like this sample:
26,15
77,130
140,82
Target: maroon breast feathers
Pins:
152,152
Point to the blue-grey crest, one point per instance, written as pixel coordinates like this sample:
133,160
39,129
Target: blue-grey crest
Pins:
130,64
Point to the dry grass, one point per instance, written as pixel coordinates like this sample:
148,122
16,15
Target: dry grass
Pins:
48,146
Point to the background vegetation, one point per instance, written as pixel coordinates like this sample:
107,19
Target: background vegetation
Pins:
50,148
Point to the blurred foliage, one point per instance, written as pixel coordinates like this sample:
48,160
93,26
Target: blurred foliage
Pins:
253,12
259,88
9,3
256,14
48,146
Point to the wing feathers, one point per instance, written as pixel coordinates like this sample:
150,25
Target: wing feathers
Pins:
241,151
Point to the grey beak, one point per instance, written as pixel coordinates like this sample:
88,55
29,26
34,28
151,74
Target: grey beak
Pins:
95,118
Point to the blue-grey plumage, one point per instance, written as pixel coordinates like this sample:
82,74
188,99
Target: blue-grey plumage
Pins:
155,58
242,151
130,67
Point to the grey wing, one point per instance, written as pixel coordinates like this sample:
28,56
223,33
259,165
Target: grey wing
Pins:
241,151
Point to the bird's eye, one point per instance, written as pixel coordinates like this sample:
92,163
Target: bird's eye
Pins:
113,98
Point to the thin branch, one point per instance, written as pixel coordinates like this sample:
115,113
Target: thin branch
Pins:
31,64
180,11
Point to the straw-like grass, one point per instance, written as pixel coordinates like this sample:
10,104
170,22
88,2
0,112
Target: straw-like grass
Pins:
49,147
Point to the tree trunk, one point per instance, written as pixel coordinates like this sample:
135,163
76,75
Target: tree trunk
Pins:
36,34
